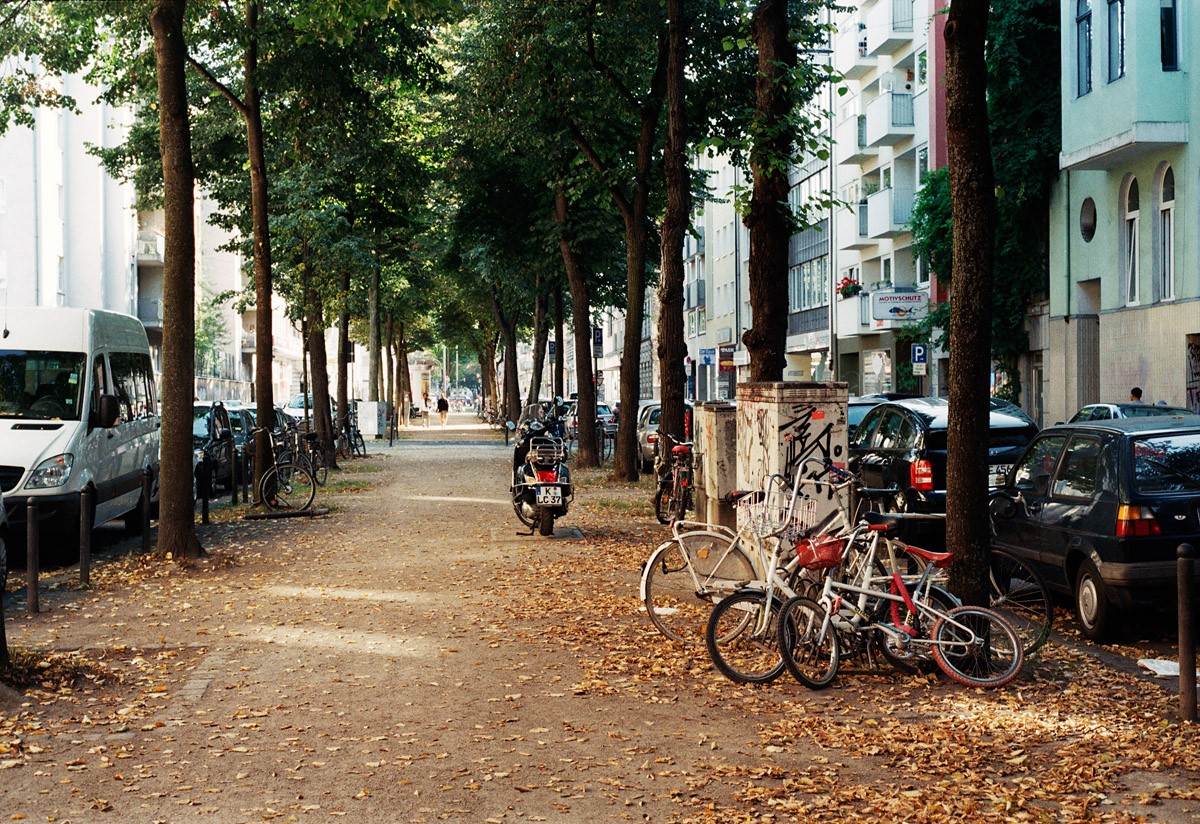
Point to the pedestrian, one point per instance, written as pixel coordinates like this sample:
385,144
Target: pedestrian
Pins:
443,409
1135,394
426,409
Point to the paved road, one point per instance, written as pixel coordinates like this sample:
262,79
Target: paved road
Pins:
410,658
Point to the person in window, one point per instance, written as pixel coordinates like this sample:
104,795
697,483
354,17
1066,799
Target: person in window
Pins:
443,409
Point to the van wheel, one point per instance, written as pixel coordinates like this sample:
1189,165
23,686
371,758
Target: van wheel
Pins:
1092,605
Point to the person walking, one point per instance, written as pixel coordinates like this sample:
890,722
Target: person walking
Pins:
426,408
443,409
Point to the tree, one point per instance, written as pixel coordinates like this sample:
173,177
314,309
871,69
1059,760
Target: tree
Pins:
176,528
973,205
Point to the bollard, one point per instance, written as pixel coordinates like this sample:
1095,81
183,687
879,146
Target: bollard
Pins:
147,492
206,481
85,536
32,561
246,475
1187,644
233,483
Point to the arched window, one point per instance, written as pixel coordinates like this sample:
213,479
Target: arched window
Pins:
1083,46
1129,244
1166,236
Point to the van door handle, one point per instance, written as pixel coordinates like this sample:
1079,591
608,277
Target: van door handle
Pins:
1034,506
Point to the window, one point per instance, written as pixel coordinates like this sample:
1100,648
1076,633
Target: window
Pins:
1077,474
886,178
1168,25
691,316
1083,47
922,271
887,271
1129,254
1166,237
133,382
99,382
922,67
1033,472
922,165
1116,39
1087,220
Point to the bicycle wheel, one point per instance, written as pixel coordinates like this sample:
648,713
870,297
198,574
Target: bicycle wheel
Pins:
360,446
745,651
287,487
664,503
684,577
1020,594
320,469
683,495
977,647
909,657
808,643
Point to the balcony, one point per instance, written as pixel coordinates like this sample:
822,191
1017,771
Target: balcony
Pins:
889,26
852,228
853,315
150,246
851,139
850,53
150,312
694,294
889,212
890,119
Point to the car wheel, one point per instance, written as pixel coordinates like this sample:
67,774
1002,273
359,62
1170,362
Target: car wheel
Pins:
1092,604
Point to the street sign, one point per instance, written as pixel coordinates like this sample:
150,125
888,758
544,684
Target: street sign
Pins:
597,337
920,359
551,348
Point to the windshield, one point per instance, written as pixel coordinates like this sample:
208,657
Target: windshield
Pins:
1169,463
41,385
200,422
531,412
297,402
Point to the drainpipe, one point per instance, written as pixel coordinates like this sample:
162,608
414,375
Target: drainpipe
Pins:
1067,227
37,211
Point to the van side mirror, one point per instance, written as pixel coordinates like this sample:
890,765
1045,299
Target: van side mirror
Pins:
109,412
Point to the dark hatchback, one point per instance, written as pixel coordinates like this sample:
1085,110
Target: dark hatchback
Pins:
901,445
1100,509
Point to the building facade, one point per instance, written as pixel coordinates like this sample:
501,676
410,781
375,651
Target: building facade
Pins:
1124,280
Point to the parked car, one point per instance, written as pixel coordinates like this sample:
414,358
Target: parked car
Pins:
212,437
647,431
241,422
1110,411
604,413
901,445
78,410
857,409
295,406
1100,507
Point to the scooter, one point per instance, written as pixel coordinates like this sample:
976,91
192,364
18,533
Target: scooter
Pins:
541,488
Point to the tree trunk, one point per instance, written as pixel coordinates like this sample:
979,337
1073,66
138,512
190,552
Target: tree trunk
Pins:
973,214
768,220
319,380
259,198
390,371
176,525
373,336
403,379
560,388
588,453
343,353
508,333
541,332
672,348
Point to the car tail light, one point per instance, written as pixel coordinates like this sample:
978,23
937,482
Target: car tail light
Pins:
920,475
1136,522
652,438
547,475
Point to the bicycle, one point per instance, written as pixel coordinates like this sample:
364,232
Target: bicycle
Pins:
974,646
285,485
673,498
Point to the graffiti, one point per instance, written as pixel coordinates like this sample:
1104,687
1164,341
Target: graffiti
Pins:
1193,376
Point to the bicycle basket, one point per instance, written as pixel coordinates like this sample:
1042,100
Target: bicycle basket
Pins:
821,552
766,513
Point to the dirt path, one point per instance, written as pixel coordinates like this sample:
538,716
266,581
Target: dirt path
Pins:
410,658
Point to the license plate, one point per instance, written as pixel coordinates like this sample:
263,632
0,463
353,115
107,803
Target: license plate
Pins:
549,496
998,475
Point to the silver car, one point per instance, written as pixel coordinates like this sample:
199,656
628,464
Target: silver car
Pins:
647,431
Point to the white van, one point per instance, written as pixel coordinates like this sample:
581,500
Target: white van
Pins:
77,410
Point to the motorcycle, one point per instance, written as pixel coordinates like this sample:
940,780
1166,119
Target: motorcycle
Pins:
541,487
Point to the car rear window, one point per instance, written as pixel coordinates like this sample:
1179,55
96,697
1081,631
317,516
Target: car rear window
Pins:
1167,463
998,438
654,415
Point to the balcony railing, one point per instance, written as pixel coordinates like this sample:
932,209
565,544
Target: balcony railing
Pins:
150,312
889,119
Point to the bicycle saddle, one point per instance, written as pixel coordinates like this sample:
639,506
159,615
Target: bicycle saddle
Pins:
682,449
892,524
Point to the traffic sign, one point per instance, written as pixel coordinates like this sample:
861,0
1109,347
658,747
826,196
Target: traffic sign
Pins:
551,347
597,337
920,359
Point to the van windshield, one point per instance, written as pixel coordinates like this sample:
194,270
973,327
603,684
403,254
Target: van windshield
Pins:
41,385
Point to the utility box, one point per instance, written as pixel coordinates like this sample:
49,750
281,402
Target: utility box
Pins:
372,419
715,445
781,425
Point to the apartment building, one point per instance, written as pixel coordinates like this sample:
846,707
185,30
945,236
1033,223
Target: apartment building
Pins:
888,136
1124,259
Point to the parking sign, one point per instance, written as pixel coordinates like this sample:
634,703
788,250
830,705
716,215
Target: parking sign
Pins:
920,359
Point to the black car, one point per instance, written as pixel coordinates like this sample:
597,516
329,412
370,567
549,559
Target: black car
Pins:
241,421
1100,508
212,438
901,445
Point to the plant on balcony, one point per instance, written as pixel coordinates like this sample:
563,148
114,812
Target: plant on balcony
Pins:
848,287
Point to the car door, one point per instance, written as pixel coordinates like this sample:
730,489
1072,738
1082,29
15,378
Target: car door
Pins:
876,466
1017,519
860,443
1067,509
222,442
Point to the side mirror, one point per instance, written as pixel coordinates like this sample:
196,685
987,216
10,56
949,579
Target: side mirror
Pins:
109,413
558,400
511,426
1003,505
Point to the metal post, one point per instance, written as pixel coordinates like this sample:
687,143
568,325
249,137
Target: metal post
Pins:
246,476
206,481
233,486
32,560
1187,644
85,536
147,492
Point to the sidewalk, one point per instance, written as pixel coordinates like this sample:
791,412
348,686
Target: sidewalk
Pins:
410,658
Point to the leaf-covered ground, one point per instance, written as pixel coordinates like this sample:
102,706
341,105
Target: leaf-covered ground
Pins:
411,658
